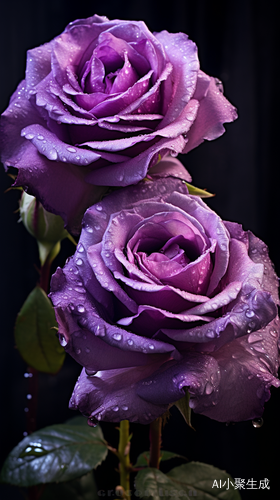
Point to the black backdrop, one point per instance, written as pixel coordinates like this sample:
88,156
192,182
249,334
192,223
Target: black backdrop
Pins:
237,43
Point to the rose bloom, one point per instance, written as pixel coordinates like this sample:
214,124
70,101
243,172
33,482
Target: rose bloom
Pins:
161,296
100,104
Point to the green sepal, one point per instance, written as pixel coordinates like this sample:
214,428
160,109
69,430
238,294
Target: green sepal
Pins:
202,193
57,453
35,333
192,480
184,408
143,458
48,251
47,228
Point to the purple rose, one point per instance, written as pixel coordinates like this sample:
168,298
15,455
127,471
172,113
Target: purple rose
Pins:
100,104
161,296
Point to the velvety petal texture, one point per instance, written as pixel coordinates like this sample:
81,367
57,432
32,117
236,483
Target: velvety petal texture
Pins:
161,296
101,104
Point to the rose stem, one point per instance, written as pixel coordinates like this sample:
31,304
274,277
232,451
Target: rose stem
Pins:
34,492
155,442
123,452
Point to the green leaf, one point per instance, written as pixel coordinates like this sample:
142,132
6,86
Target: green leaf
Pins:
143,459
55,454
79,420
187,481
202,193
83,488
184,408
35,337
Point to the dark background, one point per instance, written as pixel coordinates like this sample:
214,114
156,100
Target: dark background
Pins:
238,43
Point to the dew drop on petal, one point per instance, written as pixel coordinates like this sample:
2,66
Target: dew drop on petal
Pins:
209,388
257,422
117,336
62,340
249,313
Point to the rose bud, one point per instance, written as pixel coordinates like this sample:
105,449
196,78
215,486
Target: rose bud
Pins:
47,228
100,104
162,296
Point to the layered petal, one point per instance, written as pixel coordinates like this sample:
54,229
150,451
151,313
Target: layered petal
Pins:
162,297
112,95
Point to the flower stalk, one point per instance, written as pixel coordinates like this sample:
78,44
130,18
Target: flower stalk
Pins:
155,442
123,454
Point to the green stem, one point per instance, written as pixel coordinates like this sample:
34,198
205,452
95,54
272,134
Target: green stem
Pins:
155,442
123,452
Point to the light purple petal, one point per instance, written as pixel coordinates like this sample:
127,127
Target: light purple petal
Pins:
214,110
135,169
247,367
182,53
66,178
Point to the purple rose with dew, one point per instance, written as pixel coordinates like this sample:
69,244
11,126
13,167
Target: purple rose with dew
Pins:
161,296
101,104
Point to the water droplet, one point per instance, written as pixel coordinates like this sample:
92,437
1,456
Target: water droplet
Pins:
125,408
52,154
90,373
209,388
89,229
92,422
71,150
273,332
257,422
62,340
117,336
115,408
100,330
81,308
78,351
249,313
79,262
98,207
130,342
40,137
29,396
80,248
151,346
120,176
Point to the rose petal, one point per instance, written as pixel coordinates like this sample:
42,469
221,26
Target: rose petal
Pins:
214,110
55,196
106,397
